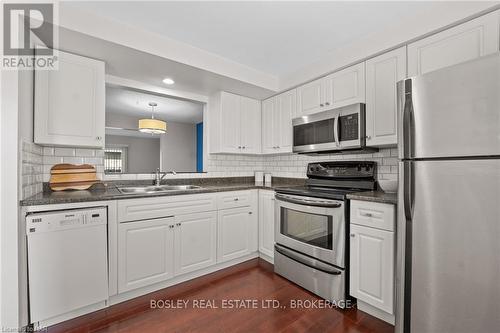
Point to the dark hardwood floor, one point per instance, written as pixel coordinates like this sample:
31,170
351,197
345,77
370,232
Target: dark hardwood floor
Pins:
252,280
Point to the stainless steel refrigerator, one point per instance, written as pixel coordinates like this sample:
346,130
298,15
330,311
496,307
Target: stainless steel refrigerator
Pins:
448,263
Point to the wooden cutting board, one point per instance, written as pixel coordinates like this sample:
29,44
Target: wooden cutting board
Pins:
72,177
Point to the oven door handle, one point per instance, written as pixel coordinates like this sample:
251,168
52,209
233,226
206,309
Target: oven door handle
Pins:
318,203
308,261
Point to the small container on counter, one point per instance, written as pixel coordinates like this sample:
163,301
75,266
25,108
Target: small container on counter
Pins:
267,179
259,178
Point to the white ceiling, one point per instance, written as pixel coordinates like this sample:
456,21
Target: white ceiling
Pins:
273,36
135,103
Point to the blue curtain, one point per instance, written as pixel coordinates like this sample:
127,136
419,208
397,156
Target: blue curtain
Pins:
199,147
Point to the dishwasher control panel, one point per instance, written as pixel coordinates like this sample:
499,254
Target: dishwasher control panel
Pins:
65,219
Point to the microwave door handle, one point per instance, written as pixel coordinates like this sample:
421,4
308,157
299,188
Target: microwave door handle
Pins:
336,130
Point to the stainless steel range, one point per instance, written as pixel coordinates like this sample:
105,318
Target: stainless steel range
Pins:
311,229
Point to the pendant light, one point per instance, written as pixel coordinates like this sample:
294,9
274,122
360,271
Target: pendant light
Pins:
153,126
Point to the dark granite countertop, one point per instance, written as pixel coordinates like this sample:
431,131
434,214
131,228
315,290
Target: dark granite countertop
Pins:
109,190
375,196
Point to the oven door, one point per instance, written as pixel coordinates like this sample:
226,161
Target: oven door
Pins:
312,226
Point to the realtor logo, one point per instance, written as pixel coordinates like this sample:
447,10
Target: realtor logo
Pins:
28,28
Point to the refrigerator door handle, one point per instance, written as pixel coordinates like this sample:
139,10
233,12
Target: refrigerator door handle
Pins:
407,120
336,130
408,189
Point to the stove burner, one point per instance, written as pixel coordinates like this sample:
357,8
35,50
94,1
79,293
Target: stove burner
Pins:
333,180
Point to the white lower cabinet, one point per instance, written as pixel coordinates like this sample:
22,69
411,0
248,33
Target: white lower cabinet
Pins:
372,258
237,233
145,253
266,222
156,249
195,241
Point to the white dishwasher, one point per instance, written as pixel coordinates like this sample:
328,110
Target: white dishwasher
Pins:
67,261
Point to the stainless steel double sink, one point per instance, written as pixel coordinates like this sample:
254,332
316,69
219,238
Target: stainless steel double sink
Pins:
155,189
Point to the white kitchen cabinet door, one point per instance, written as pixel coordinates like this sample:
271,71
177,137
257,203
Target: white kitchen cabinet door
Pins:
237,233
286,105
70,103
250,124
345,87
195,241
230,122
464,42
372,266
145,253
382,74
269,125
266,222
311,97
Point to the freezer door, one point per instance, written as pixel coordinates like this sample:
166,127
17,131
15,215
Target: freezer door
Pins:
451,112
455,246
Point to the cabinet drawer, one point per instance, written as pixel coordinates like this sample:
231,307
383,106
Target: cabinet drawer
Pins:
150,208
373,214
235,199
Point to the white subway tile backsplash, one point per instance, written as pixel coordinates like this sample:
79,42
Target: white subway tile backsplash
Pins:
64,151
84,152
31,169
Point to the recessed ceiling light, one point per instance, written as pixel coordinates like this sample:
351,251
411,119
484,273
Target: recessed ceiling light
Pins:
168,81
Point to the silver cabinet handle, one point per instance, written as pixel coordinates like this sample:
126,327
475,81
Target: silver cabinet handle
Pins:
367,214
353,235
250,213
327,103
236,199
98,138
368,137
239,147
171,226
178,224
321,105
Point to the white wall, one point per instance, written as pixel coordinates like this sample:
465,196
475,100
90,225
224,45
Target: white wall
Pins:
143,154
178,148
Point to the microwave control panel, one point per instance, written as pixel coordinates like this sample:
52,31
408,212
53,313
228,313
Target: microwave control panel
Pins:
349,127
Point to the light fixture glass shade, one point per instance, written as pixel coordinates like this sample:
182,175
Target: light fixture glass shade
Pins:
153,126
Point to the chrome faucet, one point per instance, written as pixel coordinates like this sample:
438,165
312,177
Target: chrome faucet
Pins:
160,175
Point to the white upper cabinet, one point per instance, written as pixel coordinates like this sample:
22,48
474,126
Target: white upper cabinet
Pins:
311,97
345,87
269,123
230,117
235,124
250,120
467,41
277,115
335,90
382,74
70,103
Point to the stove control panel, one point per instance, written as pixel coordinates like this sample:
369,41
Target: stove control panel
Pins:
345,169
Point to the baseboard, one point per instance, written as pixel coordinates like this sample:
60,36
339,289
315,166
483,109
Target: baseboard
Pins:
380,314
266,258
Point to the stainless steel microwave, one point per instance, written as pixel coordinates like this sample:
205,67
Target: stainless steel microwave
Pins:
330,131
